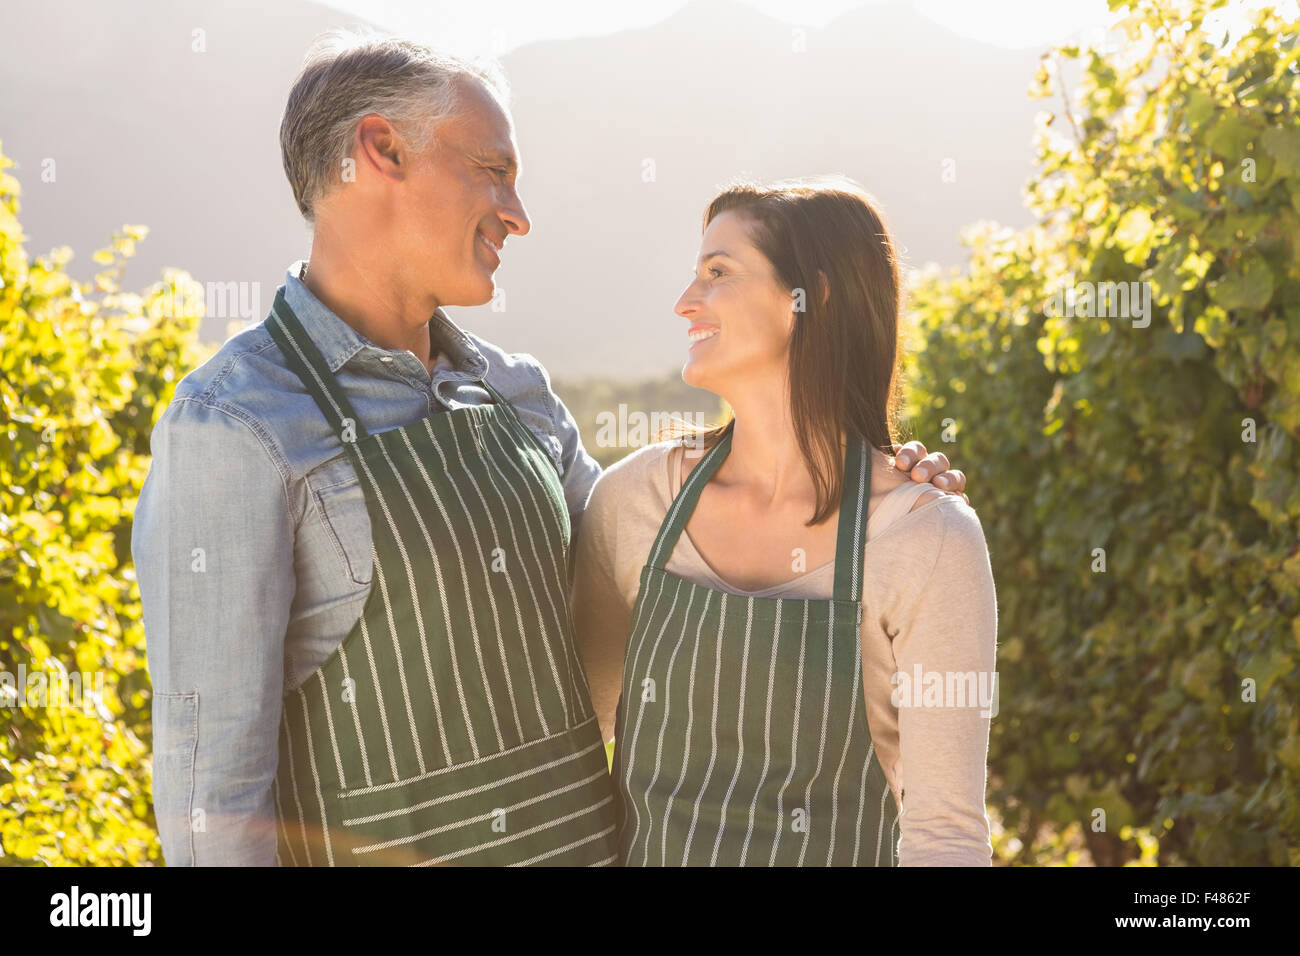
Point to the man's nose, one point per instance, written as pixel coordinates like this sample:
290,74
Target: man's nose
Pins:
515,217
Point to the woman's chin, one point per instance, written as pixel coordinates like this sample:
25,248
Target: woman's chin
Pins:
694,376
707,371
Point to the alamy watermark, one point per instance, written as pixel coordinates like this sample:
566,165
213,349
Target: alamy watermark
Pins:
129,910
1102,300
957,689
59,689
221,300
624,429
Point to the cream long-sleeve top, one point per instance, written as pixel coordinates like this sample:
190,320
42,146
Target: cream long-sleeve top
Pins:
928,633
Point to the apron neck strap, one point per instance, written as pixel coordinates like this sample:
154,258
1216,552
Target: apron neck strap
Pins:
508,410
849,542
305,359
853,521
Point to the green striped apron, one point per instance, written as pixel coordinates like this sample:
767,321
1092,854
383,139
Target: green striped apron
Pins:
741,734
454,723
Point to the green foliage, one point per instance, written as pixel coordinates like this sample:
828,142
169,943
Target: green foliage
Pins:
84,371
1123,690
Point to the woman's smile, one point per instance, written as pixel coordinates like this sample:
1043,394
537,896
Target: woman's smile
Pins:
699,332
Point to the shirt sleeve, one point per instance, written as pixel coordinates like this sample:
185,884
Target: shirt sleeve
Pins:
578,470
213,545
601,615
951,631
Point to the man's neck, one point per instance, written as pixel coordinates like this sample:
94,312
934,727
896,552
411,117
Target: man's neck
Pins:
373,307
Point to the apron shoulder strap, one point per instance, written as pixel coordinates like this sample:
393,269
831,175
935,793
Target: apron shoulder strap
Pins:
305,359
498,398
849,543
679,512
516,424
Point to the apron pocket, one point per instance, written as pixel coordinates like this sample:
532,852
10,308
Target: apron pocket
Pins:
549,801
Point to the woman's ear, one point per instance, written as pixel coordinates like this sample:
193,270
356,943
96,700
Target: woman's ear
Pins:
823,294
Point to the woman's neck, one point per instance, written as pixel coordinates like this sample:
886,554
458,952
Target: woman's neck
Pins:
765,456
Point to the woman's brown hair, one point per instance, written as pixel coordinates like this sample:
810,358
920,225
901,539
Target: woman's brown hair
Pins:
845,358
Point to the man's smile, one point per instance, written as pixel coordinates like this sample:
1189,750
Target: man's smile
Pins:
491,244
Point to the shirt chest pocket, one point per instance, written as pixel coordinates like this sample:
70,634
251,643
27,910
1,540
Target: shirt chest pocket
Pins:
341,506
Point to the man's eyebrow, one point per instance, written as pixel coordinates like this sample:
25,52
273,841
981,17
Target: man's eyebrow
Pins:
499,158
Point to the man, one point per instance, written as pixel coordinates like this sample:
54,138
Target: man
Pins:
353,542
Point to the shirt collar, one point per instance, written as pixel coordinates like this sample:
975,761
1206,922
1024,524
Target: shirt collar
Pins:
339,342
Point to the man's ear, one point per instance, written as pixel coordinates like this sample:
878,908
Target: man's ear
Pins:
381,148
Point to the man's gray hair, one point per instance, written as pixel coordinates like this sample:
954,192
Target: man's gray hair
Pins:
350,74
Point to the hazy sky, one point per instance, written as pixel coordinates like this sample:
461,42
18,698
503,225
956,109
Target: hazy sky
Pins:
496,26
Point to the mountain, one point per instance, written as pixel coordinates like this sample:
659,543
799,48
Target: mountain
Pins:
143,129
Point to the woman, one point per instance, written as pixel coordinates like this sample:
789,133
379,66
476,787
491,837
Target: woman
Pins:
762,609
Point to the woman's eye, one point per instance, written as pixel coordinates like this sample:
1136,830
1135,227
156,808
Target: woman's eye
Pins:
715,272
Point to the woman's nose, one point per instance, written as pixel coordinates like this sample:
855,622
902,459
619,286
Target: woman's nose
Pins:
687,303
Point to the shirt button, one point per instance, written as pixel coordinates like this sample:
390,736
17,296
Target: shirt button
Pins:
385,358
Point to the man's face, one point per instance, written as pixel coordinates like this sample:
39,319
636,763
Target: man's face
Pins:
460,203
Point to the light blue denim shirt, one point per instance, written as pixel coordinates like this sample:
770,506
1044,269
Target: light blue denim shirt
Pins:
253,551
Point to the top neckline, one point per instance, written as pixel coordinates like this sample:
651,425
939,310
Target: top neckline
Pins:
901,497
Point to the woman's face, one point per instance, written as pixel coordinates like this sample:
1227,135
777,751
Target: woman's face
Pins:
739,314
